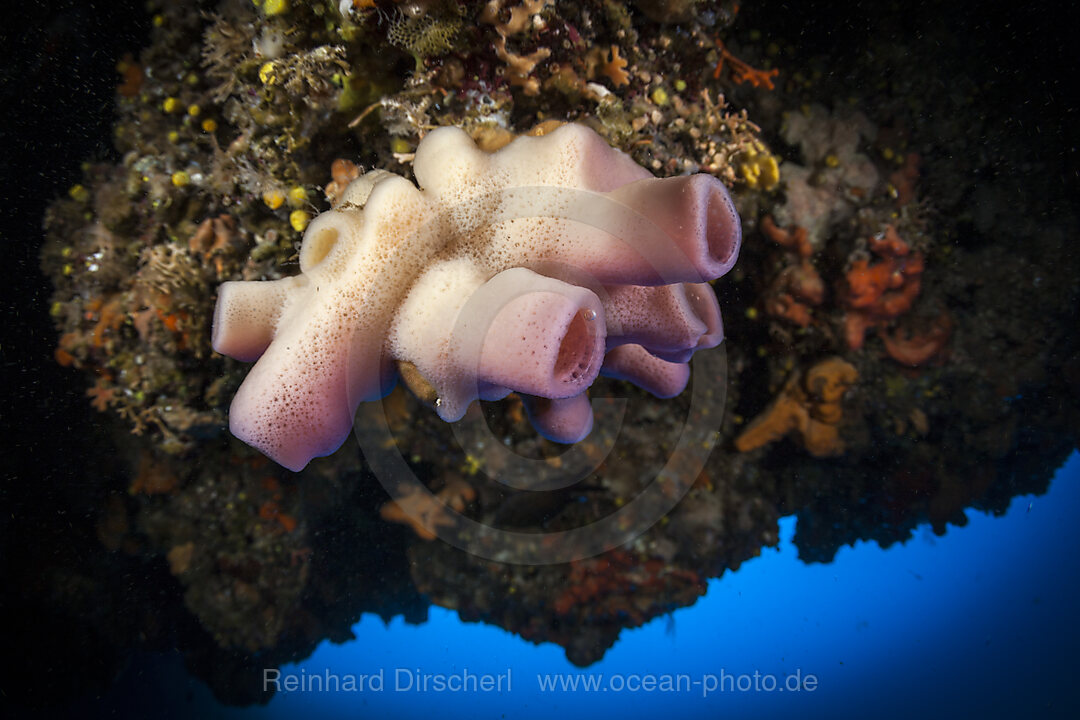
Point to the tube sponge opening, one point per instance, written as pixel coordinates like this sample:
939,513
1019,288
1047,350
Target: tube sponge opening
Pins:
547,338
577,351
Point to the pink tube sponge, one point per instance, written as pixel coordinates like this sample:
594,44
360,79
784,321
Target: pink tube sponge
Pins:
530,269
518,331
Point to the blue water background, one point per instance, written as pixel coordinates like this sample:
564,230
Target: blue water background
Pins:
978,623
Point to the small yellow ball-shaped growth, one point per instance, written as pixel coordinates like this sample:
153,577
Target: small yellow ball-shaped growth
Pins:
275,7
299,220
180,178
266,74
758,168
297,197
274,199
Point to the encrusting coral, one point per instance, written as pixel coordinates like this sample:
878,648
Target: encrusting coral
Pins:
916,348
809,405
530,270
424,512
882,291
798,287
741,71
518,67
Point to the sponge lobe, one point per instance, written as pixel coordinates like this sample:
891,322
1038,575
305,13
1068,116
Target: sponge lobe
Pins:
516,270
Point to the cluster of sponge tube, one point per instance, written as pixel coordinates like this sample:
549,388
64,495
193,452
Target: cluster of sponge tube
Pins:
532,269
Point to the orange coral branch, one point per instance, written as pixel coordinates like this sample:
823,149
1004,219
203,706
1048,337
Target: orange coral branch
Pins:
612,584
343,172
903,179
787,307
212,238
519,67
132,74
271,511
742,72
153,476
810,405
794,238
884,290
101,396
914,350
615,68
799,286
426,514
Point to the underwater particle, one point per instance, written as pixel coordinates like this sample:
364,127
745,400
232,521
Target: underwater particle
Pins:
170,105
180,178
78,193
266,74
297,197
299,220
209,125
275,7
273,199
